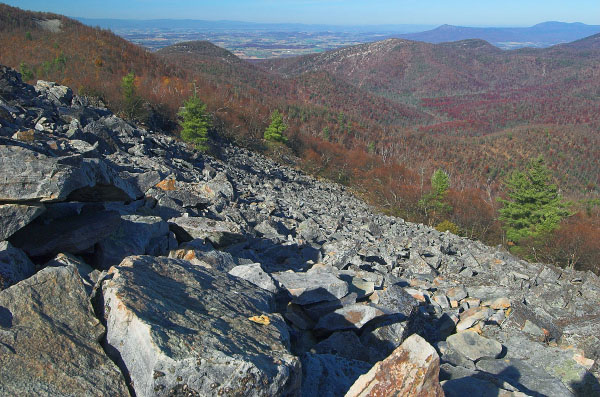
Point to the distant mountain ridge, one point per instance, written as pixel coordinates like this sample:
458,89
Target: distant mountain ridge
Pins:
544,34
245,26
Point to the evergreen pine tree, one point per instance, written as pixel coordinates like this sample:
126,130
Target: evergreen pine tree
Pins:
534,207
433,203
132,102
195,122
275,130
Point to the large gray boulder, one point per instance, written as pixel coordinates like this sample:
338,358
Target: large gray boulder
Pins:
15,216
14,265
136,235
178,326
49,340
29,176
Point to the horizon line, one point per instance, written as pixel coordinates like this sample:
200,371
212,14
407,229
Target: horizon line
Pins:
324,24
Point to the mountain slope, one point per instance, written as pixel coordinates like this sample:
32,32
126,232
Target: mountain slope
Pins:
467,80
242,263
475,89
318,89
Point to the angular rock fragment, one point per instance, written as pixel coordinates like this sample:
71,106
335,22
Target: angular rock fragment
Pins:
49,340
14,265
256,275
219,186
395,300
449,355
473,346
204,255
411,370
383,338
312,287
498,303
472,316
318,310
344,344
327,375
219,233
352,317
340,253
361,287
15,216
297,317
175,324
59,94
456,293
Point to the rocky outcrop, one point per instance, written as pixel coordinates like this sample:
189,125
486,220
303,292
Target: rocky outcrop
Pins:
29,175
50,340
269,271
176,325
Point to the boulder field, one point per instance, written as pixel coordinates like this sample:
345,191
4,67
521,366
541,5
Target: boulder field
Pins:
133,265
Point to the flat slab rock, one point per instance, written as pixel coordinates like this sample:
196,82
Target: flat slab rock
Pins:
525,377
219,233
49,340
474,346
411,370
312,287
179,326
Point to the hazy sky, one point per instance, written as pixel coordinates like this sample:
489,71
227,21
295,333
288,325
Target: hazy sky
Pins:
339,12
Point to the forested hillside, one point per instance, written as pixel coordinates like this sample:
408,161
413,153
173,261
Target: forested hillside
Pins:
379,117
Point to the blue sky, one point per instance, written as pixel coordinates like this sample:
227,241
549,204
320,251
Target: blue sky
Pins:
338,12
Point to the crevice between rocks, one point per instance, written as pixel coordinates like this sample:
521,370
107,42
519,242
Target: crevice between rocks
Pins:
97,300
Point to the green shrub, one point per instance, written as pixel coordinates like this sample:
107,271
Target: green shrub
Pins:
449,226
